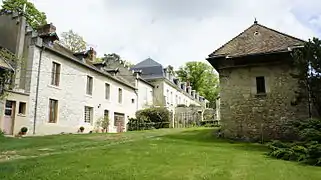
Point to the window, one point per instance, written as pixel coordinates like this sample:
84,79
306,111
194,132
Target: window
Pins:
176,99
9,108
22,108
120,95
88,114
107,91
133,101
55,74
89,89
53,111
106,114
260,85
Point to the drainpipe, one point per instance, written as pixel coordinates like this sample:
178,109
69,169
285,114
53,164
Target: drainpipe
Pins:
37,91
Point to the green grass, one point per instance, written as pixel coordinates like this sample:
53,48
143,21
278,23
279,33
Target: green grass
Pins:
160,154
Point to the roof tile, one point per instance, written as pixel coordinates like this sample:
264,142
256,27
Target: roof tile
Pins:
255,40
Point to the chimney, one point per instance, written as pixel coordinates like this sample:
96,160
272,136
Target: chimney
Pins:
91,54
48,33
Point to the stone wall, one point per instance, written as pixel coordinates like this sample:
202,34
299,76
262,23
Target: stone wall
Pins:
72,97
244,113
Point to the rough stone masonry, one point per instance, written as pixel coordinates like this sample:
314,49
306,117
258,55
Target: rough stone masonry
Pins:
257,87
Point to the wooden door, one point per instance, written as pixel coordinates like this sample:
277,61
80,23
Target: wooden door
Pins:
119,121
9,113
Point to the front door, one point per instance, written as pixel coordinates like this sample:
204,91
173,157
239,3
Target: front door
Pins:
9,112
119,121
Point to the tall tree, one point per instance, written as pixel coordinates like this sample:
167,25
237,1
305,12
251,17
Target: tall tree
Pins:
308,62
34,17
202,78
73,41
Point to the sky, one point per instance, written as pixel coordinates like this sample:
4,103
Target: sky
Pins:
174,32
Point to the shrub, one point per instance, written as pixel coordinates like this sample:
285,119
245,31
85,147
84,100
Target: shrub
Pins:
143,124
307,150
1,133
103,122
208,123
81,128
153,115
24,129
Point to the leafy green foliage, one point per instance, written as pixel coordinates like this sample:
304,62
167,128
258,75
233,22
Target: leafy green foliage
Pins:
154,114
73,41
1,133
34,17
142,124
151,118
103,123
308,63
7,74
24,129
202,78
307,150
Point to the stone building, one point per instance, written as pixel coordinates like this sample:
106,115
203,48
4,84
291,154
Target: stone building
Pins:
257,90
57,90
169,92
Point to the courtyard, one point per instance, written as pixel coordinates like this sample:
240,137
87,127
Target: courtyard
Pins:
192,153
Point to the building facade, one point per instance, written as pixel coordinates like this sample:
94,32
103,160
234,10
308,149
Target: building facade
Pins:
257,96
169,92
62,91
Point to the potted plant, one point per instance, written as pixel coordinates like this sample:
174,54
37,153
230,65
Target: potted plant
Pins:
81,129
24,130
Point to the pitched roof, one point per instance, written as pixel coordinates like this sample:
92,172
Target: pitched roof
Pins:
150,69
255,40
59,49
147,63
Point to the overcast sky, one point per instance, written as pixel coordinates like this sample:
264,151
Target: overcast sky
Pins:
176,31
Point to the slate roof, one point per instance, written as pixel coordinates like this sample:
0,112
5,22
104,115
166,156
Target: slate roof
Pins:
147,63
59,49
257,39
150,69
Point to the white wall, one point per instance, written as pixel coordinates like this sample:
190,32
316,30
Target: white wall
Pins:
145,95
170,94
71,96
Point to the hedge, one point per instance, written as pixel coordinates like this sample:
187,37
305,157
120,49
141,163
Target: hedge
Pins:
151,118
306,150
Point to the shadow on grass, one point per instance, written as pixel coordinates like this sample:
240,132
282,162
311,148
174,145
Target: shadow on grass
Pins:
207,137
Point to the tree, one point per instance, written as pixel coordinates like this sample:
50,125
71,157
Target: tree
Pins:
34,17
308,62
6,73
202,78
73,41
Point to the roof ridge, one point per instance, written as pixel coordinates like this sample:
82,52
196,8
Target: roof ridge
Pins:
285,34
244,31
232,39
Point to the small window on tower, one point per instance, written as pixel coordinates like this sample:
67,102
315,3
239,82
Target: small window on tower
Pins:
260,85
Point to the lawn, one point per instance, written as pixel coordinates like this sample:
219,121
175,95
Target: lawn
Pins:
160,154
